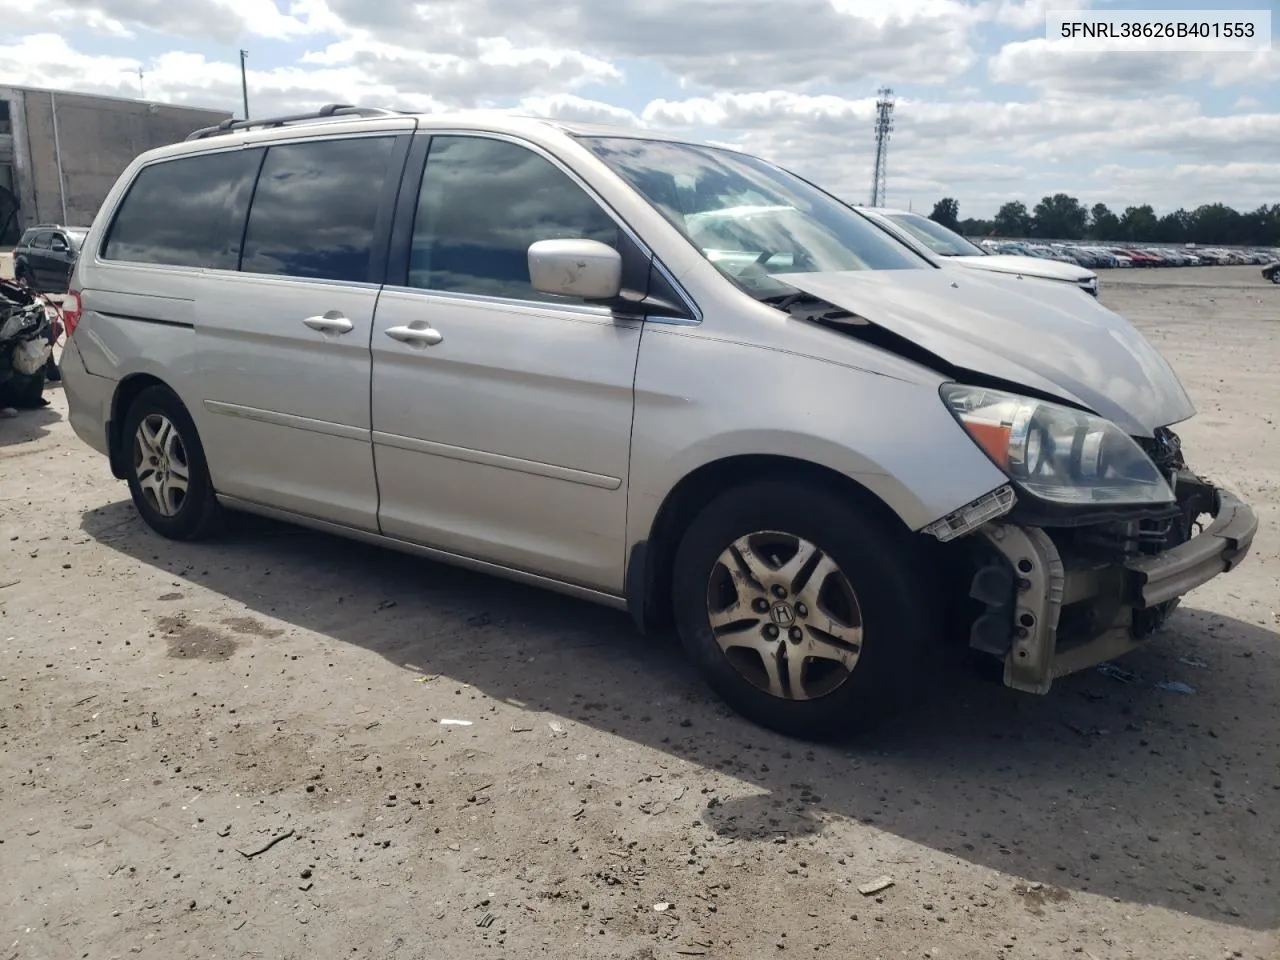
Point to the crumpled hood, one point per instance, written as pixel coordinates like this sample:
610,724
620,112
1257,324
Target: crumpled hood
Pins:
1027,266
1047,338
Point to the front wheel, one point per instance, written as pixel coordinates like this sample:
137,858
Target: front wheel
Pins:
804,612
168,477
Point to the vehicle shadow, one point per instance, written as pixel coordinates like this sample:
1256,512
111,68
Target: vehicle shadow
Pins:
1113,786
28,425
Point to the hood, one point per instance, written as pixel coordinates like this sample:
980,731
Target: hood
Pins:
1047,338
1027,266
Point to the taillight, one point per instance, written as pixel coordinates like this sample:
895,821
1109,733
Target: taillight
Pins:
71,311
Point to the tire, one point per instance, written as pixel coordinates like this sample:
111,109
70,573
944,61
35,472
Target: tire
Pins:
880,581
155,467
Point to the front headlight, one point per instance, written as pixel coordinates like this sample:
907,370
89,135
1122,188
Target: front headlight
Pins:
1057,453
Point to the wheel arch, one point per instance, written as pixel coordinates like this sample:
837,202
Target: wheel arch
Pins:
127,390
649,564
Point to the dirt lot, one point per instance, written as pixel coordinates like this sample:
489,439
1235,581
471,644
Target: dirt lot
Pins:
166,711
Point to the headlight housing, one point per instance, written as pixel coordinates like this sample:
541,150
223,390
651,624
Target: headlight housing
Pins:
1057,453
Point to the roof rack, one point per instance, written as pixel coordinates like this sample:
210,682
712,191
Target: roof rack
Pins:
327,112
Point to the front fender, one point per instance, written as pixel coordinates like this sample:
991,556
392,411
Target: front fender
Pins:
699,400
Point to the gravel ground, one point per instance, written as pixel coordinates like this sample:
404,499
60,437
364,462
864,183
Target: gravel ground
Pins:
168,711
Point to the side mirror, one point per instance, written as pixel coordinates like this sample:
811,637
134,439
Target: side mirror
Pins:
576,268
60,245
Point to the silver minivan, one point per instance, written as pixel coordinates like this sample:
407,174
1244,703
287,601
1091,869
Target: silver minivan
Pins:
667,377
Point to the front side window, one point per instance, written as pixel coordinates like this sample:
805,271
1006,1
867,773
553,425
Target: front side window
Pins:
187,212
748,217
42,241
944,242
315,209
483,203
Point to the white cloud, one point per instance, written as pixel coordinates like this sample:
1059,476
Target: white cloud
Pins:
224,21
762,43
1049,65
791,81
495,69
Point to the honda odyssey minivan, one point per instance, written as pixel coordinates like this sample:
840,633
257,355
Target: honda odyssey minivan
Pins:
667,377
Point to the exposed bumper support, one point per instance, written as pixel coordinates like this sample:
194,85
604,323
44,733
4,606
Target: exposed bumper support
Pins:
1152,581
1042,584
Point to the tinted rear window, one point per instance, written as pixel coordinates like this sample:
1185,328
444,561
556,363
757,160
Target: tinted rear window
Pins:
315,209
188,212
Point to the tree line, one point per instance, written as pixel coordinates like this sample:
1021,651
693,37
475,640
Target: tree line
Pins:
1063,217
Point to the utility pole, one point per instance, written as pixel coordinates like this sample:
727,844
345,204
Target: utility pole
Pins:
884,127
244,82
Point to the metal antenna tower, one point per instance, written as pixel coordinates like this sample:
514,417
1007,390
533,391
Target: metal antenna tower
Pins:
884,127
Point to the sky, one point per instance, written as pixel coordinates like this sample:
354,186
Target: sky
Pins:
986,110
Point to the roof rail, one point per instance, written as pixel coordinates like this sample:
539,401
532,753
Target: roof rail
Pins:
326,112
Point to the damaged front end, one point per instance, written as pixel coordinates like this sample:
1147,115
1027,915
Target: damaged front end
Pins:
1062,593
1102,526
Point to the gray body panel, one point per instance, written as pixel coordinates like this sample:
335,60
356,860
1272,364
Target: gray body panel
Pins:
1045,337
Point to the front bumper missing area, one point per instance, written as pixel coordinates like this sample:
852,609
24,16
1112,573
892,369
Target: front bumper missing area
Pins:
1044,583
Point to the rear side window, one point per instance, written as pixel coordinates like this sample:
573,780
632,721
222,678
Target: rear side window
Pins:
315,209
188,212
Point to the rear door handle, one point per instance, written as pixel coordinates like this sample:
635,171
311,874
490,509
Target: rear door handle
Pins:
417,334
331,322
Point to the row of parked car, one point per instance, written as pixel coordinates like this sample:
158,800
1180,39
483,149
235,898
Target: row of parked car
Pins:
1096,255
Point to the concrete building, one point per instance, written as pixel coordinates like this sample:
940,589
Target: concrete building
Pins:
61,152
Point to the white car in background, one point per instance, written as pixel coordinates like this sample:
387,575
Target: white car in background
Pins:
934,240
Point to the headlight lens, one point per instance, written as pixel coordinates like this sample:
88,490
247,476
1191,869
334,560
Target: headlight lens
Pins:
1057,453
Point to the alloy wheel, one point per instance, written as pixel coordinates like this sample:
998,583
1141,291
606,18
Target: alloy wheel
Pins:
785,615
160,464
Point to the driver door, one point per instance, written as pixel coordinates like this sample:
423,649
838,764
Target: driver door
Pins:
501,415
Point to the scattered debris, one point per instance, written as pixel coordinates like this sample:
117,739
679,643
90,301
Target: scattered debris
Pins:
1194,662
1117,673
249,855
519,727
81,703
1175,686
426,678
872,887
455,723
486,921
557,728
662,907
9,583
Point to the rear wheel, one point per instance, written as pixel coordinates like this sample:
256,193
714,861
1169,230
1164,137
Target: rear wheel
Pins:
168,477
808,615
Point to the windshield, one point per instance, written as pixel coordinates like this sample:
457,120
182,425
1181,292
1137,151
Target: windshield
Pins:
944,242
749,218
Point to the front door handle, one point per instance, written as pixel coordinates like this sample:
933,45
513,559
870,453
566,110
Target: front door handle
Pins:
417,334
330,322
